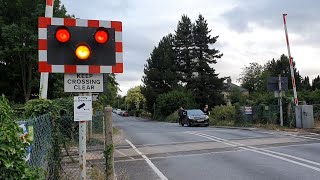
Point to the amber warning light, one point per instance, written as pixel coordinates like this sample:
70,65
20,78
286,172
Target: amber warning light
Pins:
83,52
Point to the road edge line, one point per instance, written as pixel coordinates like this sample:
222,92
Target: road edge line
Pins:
154,168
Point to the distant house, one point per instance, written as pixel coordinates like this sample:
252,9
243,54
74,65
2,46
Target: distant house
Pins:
229,87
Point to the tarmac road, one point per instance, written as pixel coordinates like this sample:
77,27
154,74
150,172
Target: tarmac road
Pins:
158,150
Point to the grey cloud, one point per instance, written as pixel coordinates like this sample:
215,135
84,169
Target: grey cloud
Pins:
302,15
302,19
94,8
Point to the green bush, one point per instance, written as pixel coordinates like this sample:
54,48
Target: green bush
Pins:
146,114
138,113
222,113
239,117
37,107
132,113
13,149
173,117
171,101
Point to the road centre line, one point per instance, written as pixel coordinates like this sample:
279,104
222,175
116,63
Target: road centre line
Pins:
155,169
263,151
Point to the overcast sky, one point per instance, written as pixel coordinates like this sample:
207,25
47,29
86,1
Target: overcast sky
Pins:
249,30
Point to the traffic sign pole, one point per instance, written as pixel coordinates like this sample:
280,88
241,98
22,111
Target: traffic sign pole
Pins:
82,144
82,149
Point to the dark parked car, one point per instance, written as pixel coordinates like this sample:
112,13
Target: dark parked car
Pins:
195,117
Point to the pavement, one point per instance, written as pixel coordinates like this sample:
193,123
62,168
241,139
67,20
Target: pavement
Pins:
158,150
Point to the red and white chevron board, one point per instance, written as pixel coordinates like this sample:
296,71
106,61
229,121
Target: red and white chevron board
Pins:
44,22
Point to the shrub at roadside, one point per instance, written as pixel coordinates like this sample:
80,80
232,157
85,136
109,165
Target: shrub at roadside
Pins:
173,117
223,115
13,149
171,101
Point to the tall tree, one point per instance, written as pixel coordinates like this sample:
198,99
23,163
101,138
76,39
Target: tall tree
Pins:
183,46
316,83
111,87
250,78
135,99
305,84
160,71
18,46
205,83
282,67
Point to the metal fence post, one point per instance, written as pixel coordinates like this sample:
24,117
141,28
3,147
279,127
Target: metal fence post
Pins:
82,149
109,143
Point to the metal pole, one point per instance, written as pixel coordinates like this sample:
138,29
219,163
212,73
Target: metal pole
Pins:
82,148
44,77
280,101
296,102
89,123
109,143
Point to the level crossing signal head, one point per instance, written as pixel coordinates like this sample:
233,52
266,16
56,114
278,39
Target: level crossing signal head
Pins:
80,46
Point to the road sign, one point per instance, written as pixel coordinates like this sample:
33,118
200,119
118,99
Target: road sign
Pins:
247,110
83,82
82,108
68,45
273,84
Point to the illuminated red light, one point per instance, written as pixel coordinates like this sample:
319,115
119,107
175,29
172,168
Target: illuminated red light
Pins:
63,35
101,36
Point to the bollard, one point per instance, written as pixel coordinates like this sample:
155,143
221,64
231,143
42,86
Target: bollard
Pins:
108,151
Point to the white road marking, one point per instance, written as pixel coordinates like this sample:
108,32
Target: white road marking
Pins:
155,169
181,155
274,152
123,154
263,151
293,135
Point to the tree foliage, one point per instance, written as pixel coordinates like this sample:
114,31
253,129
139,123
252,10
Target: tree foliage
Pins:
183,45
185,60
135,99
19,47
171,101
205,84
316,83
109,95
250,77
160,71
282,67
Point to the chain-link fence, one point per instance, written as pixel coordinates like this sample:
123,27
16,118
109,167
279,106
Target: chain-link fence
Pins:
55,146
270,114
95,148
40,133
